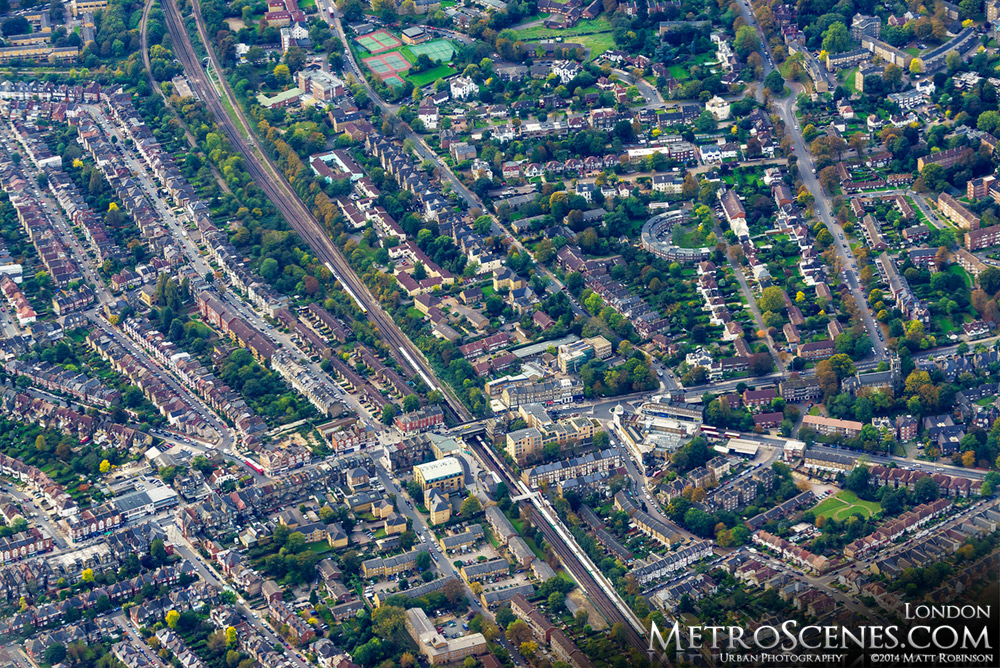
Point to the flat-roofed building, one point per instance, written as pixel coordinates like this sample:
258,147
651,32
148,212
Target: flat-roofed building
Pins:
826,426
445,474
438,649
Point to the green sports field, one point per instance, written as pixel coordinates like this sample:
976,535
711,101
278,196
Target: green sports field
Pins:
438,50
378,41
844,504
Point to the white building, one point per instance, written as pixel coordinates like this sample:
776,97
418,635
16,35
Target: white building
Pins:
718,107
463,87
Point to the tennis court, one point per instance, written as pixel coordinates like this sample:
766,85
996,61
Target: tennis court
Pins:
387,64
393,80
378,41
438,50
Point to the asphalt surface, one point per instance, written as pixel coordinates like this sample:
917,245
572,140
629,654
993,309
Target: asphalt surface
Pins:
823,207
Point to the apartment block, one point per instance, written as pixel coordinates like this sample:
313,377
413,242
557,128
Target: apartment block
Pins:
826,426
445,474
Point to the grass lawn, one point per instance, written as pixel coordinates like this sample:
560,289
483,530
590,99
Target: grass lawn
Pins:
598,43
958,270
679,72
848,79
688,238
942,324
600,24
320,547
308,6
844,504
431,75
913,51
414,313
488,290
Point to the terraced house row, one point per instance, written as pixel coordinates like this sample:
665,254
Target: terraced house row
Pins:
57,379
181,415
213,390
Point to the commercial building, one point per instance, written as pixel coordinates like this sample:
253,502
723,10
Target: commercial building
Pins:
574,355
526,443
445,474
561,391
145,502
419,420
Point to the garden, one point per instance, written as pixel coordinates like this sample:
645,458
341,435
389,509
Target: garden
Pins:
844,504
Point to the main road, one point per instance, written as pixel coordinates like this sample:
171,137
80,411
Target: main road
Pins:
288,203
823,207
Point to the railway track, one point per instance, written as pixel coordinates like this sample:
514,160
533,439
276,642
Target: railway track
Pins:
594,590
294,211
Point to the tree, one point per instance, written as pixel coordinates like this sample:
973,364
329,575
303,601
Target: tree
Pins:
216,643
746,42
893,76
836,39
16,25
471,506
386,620
842,365
230,636
158,551
828,178
858,480
87,575
389,413
775,82
105,466
989,280
518,632
55,653
618,634
172,617
916,67
40,443
505,616
771,299
925,490
423,561
410,403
